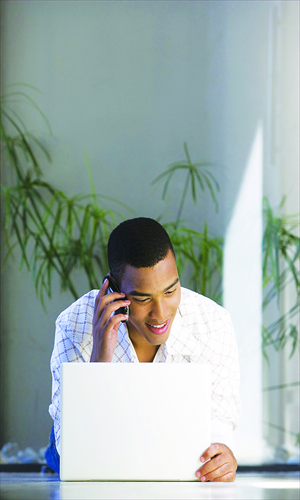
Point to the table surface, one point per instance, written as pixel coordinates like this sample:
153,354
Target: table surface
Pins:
45,486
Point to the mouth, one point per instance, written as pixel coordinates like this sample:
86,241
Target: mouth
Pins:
159,329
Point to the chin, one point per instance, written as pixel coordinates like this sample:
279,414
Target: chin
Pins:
158,339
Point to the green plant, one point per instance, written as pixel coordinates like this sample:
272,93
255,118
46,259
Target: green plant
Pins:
197,252
281,251
54,232
57,233
196,173
203,255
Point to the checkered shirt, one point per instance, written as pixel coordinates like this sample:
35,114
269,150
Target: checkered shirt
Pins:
202,332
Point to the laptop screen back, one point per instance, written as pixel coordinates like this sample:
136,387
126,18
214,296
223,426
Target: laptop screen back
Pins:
134,421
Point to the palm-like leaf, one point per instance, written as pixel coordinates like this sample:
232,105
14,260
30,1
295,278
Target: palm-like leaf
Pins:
203,254
198,174
281,252
54,232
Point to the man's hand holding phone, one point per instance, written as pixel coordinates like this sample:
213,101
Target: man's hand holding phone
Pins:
106,324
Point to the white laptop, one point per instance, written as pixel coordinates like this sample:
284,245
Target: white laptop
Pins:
134,421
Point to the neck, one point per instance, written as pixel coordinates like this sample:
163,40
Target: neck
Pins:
146,354
144,351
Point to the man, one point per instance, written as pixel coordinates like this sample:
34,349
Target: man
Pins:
166,323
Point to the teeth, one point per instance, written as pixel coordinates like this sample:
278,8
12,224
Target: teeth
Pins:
158,326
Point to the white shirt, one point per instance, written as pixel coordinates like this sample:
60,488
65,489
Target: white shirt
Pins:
201,332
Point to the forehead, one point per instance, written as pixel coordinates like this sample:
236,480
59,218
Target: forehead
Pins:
150,279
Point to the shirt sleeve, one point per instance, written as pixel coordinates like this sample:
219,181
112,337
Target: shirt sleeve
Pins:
64,351
226,404
222,432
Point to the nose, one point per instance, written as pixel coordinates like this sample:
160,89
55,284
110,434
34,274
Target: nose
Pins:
159,310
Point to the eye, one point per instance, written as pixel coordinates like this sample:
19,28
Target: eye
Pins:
170,292
141,301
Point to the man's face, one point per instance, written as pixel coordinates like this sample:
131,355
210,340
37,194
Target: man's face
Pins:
154,293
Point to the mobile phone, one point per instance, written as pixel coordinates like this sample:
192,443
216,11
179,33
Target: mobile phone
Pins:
113,287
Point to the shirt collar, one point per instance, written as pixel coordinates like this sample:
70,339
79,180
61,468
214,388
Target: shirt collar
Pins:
181,339
181,342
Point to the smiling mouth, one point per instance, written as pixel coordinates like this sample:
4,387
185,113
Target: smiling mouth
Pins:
159,329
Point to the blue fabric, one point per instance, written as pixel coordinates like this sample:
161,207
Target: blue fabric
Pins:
51,455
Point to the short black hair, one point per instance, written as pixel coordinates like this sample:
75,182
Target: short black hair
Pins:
139,242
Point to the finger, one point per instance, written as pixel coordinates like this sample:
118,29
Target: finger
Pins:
110,332
229,477
225,460
109,297
206,472
103,300
109,310
218,466
211,451
224,468
103,289
213,464
100,294
113,324
104,344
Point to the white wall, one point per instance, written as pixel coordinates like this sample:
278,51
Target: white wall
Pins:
281,178
243,298
129,82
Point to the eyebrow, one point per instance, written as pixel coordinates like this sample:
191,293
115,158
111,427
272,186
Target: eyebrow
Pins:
135,293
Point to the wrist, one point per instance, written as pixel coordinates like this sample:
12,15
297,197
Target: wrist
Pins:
100,358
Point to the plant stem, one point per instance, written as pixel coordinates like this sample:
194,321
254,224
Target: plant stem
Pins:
204,261
62,271
283,386
182,199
